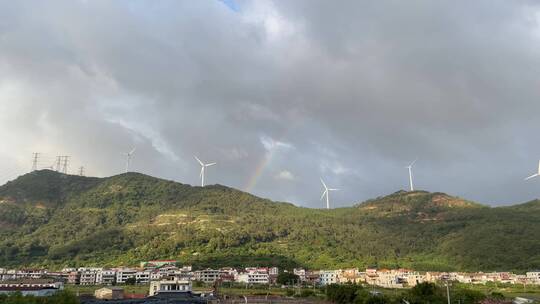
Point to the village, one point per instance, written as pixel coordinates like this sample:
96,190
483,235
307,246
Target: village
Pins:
167,275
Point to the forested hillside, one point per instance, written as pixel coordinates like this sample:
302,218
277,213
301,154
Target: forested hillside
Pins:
51,219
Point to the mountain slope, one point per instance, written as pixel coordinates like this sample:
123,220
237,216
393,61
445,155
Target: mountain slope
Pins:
53,219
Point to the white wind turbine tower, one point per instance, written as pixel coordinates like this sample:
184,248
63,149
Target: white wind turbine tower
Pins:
128,158
327,193
410,174
536,174
203,165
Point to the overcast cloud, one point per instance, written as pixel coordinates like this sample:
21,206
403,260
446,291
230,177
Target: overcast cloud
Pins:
279,93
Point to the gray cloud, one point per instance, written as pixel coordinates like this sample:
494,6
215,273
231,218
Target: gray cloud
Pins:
279,93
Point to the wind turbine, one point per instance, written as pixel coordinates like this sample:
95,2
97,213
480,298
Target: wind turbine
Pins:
128,158
410,174
327,193
536,174
203,165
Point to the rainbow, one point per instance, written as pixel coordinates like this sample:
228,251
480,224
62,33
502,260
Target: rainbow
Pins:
259,170
263,163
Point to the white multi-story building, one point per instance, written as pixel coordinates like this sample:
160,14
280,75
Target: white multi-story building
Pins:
534,276
172,286
106,277
142,277
207,275
31,273
88,277
327,277
123,274
301,273
253,277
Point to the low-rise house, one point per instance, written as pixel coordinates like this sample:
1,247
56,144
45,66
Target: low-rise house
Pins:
109,293
28,286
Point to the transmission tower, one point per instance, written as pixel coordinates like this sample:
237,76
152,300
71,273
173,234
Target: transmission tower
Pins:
35,157
81,171
58,163
65,164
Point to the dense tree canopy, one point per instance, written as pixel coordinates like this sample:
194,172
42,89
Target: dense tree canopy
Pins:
51,219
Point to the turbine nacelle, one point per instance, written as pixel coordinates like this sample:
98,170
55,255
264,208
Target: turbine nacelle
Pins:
411,187
203,165
128,158
326,193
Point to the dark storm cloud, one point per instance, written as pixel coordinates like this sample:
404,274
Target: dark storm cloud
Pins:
279,93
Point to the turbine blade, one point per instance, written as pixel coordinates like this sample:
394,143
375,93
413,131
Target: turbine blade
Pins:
333,189
534,175
323,184
538,167
202,172
132,151
413,162
210,164
200,162
323,194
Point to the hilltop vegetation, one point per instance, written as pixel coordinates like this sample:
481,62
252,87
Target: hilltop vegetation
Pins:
51,219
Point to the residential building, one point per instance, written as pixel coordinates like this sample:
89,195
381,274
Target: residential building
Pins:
327,277
87,277
109,293
253,277
352,275
106,277
74,277
534,276
207,275
170,285
34,287
123,274
301,273
142,277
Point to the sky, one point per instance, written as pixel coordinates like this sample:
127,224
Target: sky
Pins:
279,94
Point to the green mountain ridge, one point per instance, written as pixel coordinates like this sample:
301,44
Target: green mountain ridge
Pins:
55,220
